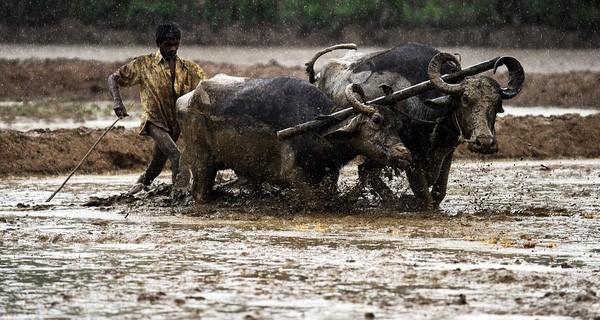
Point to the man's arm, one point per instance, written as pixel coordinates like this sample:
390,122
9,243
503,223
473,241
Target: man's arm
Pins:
113,87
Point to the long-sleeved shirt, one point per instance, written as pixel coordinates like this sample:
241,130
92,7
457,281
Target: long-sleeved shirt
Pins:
157,94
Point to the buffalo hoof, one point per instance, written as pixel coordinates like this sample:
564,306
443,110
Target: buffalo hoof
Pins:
137,188
179,194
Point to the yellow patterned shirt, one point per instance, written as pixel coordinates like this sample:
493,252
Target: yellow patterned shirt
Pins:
157,95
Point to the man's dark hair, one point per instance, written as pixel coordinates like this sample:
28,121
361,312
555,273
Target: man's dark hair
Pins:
167,31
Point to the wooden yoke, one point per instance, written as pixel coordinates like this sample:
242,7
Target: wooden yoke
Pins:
391,99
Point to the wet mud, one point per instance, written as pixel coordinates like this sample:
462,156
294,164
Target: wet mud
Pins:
44,151
518,235
513,239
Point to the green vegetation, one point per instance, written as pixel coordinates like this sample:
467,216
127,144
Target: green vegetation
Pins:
307,15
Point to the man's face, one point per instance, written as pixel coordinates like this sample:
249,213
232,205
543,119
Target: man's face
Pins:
168,48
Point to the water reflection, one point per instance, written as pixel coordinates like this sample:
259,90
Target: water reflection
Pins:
505,253
25,124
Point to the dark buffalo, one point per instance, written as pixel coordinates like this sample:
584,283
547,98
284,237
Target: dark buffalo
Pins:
231,123
436,121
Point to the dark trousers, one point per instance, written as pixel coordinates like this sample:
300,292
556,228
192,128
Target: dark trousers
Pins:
164,149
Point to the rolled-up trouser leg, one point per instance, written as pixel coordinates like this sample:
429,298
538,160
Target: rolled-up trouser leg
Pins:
164,149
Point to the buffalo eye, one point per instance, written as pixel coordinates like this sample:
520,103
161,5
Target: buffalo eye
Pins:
464,99
378,119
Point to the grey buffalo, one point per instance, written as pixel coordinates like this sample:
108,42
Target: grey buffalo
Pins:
436,121
231,123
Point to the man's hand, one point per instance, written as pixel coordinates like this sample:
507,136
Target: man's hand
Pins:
120,110
113,87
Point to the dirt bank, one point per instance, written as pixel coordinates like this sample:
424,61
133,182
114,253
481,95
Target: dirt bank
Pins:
52,152
41,152
85,80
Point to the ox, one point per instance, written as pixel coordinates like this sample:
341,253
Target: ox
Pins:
436,121
231,123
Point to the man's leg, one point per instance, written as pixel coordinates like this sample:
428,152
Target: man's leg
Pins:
164,149
154,168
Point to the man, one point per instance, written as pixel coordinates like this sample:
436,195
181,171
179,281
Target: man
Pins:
163,77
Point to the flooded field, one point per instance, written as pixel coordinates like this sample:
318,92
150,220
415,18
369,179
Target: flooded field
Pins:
25,124
512,240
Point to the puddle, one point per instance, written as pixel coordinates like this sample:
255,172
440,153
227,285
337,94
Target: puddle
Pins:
513,240
25,124
545,111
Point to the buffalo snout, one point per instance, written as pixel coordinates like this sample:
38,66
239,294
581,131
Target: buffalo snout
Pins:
401,157
484,145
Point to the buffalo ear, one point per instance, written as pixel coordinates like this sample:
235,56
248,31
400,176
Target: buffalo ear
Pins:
387,90
346,132
439,103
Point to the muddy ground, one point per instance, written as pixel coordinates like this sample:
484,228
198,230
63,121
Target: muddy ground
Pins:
516,236
61,80
514,240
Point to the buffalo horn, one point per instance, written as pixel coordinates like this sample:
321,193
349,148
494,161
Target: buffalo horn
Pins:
516,76
434,71
311,64
350,92
439,102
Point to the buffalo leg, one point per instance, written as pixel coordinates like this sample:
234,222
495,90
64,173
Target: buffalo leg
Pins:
204,173
328,186
438,192
381,189
369,174
372,176
183,178
420,188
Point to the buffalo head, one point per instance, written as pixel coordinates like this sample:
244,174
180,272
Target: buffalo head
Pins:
373,132
475,100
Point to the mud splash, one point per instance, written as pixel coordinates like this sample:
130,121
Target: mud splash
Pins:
513,239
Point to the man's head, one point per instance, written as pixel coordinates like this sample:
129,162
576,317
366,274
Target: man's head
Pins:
167,39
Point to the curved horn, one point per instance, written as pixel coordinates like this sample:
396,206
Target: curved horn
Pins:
350,91
516,76
434,71
310,65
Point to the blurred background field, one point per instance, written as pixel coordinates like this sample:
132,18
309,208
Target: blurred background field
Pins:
496,23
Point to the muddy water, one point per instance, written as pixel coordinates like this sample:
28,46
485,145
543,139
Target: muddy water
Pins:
513,239
25,124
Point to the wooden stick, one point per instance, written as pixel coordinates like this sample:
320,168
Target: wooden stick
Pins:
84,157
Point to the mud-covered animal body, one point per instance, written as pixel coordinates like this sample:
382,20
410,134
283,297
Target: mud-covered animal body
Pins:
435,121
231,123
